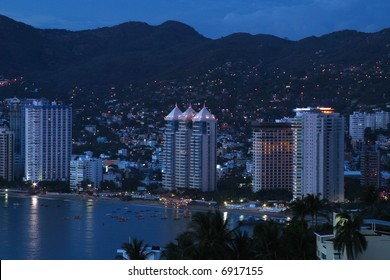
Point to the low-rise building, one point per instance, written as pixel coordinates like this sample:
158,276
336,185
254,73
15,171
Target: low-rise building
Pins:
376,232
85,168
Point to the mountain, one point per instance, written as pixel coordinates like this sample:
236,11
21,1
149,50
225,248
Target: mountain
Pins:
128,52
137,52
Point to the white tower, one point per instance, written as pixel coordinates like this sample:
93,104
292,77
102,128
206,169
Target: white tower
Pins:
83,168
318,153
203,151
182,149
189,155
48,141
357,126
168,164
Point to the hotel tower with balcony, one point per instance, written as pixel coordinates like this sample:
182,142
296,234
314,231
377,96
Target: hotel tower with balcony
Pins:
48,141
189,154
318,158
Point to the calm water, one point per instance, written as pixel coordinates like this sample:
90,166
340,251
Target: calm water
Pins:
49,228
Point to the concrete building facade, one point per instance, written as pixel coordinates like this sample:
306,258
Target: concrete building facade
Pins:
84,168
189,151
48,141
376,233
357,126
203,159
7,154
318,153
272,156
370,166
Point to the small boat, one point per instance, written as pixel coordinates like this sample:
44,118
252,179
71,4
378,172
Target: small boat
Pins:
251,221
187,213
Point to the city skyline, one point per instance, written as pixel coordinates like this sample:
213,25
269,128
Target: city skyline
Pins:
113,162
320,134
291,19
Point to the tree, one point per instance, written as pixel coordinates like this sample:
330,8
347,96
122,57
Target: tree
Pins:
313,205
298,241
182,250
136,250
299,209
241,246
348,236
370,197
211,235
266,238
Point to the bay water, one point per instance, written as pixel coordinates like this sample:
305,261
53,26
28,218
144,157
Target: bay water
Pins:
44,228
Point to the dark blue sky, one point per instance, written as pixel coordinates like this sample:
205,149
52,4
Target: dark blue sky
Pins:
294,19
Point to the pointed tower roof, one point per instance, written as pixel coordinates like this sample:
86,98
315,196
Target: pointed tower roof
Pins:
15,100
204,115
174,114
188,114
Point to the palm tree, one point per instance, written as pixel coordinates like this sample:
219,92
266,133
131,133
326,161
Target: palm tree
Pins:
241,246
299,209
313,205
266,238
136,250
211,235
298,241
370,197
183,249
348,236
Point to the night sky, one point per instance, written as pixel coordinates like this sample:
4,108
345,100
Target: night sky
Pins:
293,19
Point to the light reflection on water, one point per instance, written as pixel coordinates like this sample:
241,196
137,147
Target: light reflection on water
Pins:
49,228
225,216
32,247
89,229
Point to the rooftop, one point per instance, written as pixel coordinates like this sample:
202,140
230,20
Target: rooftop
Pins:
188,114
204,115
174,114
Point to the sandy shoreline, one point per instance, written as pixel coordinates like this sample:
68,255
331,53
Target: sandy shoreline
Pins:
191,206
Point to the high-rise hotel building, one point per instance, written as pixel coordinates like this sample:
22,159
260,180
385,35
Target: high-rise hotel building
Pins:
169,140
318,161
183,149
48,141
272,156
203,159
17,125
189,154
7,154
